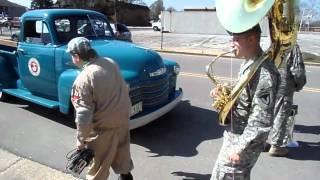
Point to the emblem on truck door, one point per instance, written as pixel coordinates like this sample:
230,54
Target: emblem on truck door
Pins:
34,67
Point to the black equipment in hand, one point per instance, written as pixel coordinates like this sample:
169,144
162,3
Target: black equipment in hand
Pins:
78,160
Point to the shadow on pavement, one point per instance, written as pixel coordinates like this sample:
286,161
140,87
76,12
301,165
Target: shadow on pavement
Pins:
307,129
51,114
179,132
306,151
192,176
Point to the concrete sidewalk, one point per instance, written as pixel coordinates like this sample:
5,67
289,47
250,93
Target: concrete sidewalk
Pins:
13,167
213,45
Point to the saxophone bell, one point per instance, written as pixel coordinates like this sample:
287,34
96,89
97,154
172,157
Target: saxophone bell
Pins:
222,91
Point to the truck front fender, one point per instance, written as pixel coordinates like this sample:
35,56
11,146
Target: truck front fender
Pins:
8,76
65,83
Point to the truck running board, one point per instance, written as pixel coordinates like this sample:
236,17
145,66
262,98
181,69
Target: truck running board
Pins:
26,95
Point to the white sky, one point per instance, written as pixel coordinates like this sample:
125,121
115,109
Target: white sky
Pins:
25,3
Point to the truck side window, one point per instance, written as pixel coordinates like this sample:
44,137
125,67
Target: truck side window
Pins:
84,27
36,32
62,25
68,27
92,27
63,29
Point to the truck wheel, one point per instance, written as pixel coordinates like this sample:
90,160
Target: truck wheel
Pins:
4,97
14,38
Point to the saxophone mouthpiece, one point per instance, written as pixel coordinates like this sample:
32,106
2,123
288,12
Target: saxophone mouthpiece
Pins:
233,50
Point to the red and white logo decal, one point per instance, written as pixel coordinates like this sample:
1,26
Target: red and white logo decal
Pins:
34,67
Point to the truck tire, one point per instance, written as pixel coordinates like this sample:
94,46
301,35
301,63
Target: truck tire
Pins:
14,37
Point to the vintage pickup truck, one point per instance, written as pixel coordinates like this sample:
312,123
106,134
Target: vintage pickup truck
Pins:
38,69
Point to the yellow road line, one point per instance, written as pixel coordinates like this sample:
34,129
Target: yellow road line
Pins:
317,90
311,89
205,76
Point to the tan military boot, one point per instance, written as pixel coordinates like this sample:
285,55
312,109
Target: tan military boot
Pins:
278,151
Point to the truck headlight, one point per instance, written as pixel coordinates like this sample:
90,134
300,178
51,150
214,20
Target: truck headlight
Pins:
176,69
158,72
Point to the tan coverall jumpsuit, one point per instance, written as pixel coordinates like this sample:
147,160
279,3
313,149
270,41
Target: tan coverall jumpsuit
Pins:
102,104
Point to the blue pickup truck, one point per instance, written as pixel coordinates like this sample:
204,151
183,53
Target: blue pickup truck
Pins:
38,69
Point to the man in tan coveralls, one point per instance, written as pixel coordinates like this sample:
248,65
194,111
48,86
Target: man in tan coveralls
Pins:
102,108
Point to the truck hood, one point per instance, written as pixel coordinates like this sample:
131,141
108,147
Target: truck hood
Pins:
129,56
136,62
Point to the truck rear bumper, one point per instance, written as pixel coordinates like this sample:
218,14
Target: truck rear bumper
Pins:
147,118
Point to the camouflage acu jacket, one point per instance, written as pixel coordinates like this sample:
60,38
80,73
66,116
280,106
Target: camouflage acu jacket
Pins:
252,114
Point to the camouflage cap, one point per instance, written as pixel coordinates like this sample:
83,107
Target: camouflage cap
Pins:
78,44
255,29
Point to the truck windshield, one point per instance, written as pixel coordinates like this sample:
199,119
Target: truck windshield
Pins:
81,26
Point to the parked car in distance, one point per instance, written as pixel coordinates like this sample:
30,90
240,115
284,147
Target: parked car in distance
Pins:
121,32
13,22
3,20
156,26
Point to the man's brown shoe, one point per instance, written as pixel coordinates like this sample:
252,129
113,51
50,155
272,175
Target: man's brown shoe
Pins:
278,151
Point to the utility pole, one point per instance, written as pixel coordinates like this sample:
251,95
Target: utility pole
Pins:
301,19
115,10
306,17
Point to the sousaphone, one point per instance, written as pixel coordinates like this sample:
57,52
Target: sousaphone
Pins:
238,16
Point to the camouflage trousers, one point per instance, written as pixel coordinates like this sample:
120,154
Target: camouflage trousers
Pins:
225,170
279,133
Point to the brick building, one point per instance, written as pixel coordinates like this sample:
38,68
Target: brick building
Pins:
10,9
126,13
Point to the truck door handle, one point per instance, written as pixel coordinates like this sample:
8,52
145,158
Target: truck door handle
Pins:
20,50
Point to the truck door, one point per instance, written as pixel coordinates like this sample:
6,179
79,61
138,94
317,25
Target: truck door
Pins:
36,59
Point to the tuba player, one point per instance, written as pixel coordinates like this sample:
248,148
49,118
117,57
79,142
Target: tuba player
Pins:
252,114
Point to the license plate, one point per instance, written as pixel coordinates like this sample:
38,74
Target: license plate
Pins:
135,109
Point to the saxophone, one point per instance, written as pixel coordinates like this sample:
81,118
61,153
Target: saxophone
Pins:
224,90
240,15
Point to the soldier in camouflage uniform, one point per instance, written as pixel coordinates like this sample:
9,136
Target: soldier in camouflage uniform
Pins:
252,114
287,87
102,106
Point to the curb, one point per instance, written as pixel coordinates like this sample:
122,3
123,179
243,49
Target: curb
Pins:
15,167
137,28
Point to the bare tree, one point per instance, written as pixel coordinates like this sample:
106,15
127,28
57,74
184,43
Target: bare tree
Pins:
309,13
311,7
155,9
85,4
170,9
41,4
139,2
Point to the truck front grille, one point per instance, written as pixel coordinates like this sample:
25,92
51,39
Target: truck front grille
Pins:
152,92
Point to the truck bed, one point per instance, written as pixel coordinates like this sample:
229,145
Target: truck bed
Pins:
8,45
8,58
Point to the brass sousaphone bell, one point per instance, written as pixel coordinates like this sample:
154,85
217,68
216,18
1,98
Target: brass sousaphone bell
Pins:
236,16
239,16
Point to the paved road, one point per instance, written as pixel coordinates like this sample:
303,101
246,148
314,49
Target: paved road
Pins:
181,145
